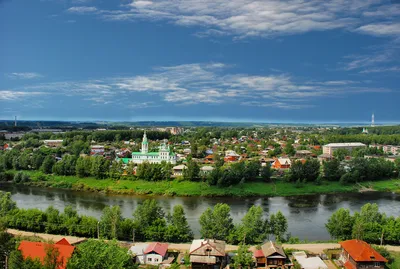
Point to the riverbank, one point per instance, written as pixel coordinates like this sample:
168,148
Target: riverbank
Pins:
188,188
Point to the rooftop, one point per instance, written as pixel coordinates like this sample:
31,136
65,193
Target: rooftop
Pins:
354,144
361,251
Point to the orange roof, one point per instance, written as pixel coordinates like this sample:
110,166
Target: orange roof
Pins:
349,265
361,251
37,250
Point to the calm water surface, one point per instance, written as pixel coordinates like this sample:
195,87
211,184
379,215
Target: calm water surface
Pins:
306,215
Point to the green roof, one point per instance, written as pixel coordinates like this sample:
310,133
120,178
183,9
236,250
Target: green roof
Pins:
124,160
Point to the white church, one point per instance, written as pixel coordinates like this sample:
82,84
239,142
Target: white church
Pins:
164,154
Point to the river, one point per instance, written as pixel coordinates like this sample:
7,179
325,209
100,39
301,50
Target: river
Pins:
306,214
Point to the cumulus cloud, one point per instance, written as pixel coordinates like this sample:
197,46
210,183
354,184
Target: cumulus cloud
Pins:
381,29
26,75
205,83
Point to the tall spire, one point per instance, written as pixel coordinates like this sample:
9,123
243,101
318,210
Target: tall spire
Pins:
145,145
373,120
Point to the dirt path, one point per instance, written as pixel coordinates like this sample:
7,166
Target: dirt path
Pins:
52,237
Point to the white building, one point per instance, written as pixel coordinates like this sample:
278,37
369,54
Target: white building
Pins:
164,154
309,262
330,148
153,253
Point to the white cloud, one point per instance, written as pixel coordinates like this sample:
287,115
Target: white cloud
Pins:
82,9
26,75
209,83
8,95
381,29
261,18
381,70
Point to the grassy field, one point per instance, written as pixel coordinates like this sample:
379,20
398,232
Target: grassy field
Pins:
187,188
396,263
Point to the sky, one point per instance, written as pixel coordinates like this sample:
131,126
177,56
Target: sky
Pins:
210,60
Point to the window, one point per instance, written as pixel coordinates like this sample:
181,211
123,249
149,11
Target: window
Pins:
156,260
377,264
149,259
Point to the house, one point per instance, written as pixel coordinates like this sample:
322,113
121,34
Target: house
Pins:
309,262
324,157
270,255
303,154
282,163
53,143
204,170
358,254
97,150
37,250
231,156
153,253
178,170
207,253
209,159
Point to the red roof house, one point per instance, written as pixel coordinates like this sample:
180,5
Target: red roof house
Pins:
37,250
157,248
359,254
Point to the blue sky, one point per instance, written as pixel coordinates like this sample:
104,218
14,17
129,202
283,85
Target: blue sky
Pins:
229,60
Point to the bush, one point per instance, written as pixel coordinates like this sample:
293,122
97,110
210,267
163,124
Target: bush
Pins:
18,177
6,176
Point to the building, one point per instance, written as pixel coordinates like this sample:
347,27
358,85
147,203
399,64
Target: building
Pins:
164,154
37,250
357,254
97,150
205,170
303,154
231,156
13,136
178,170
207,253
153,253
309,262
270,255
330,148
281,163
389,149
53,143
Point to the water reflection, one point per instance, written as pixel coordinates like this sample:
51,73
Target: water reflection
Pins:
306,214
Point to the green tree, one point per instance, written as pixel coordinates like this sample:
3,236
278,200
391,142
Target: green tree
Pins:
216,223
51,260
6,203
278,225
333,170
147,214
99,167
178,229
266,172
96,254
192,171
251,230
341,153
54,221
16,260
243,258
7,243
289,149
47,165
110,221
340,224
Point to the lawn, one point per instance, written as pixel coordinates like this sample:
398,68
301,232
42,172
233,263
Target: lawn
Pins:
187,188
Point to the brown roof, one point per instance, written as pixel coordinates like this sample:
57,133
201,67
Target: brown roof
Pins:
271,248
361,251
200,247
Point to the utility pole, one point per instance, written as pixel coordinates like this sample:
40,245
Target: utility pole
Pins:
133,235
98,230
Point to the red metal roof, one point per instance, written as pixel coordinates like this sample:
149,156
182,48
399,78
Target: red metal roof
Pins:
159,248
361,251
36,250
258,253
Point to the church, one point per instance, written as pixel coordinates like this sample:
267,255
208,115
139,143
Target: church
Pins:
164,154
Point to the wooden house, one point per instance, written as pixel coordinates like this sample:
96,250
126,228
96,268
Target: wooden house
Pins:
207,254
270,255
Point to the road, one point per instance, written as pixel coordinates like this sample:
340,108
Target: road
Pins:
312,248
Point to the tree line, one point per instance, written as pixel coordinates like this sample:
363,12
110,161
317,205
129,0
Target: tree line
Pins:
369,225
150,223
